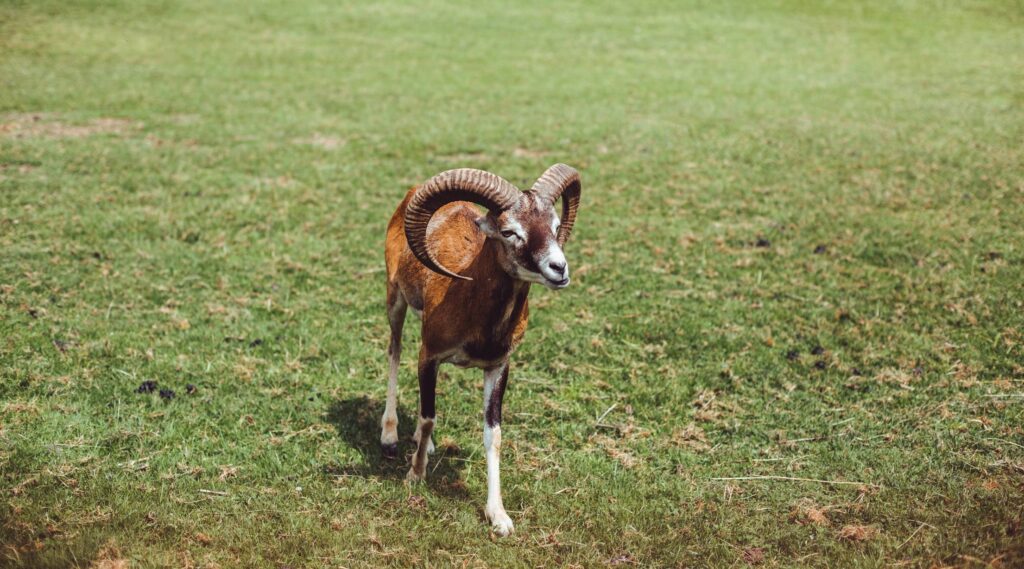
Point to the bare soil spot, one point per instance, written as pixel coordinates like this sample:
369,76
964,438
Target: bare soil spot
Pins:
41,125
185,118
527,153
322,141
16,168
278,182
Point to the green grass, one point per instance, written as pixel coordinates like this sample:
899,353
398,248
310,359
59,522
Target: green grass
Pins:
197,194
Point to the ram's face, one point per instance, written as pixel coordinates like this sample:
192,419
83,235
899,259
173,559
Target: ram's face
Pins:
528,234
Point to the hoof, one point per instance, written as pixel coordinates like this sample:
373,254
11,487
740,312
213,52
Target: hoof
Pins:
501,524
389,451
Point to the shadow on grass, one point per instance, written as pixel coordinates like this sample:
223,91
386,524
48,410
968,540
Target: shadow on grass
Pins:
358,423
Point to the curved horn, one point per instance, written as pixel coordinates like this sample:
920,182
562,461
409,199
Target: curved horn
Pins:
561,181
460,185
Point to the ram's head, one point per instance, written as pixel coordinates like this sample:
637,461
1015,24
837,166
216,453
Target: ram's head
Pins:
525,223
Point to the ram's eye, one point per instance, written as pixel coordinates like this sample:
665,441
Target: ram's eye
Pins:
507,234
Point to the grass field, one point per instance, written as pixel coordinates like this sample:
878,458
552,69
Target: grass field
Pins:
800,255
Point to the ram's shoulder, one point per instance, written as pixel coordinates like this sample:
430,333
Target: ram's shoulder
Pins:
456,216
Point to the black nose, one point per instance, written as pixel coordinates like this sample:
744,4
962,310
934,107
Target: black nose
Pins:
557,267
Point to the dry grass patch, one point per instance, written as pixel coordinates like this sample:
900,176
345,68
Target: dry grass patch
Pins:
45,125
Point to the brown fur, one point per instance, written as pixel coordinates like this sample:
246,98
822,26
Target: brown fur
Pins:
474,323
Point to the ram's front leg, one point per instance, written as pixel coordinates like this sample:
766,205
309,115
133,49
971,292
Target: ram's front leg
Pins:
495,380
424,444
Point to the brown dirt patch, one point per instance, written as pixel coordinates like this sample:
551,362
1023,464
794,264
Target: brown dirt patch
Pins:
42,125
9,170
527,153
322,141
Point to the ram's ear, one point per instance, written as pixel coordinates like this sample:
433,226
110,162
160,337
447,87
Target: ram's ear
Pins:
488,225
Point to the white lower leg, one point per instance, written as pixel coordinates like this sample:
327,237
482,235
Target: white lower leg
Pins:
495,510
389,423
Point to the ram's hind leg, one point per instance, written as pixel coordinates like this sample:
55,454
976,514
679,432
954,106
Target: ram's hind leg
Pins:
389,422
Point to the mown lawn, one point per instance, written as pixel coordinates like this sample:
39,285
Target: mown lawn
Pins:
800,255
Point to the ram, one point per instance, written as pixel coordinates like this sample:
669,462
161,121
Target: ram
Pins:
467,275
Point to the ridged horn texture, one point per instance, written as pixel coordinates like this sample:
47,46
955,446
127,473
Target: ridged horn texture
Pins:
460,185
561,181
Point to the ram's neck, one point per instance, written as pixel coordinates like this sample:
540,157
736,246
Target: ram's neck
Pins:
490,275
500,301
